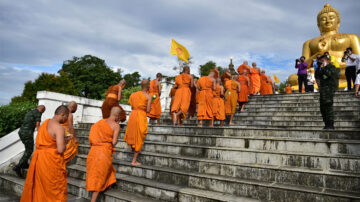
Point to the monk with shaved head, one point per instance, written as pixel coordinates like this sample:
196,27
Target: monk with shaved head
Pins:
182,98
137,126
72,146
155,93
100,173
243,67
46,177
113,96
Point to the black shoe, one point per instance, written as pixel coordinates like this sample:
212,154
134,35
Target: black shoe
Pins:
331,125
18,171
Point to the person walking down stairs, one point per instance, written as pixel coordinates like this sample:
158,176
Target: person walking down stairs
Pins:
327,72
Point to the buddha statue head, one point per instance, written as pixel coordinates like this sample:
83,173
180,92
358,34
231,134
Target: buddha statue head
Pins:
328,19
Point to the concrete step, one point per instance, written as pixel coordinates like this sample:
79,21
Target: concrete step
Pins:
158,190
284,117
279,123
337,100
15,185
169,179
76,191
349,147
300,109
295,104
301,96
255,172
325,162
303,133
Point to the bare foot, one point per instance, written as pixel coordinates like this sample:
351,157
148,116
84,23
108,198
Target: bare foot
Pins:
136,163
231,123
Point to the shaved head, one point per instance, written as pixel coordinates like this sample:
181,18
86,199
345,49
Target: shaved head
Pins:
62,110
263,71
122,82
187,69
115,111
41,108
72,106
245,62
145,84
254,64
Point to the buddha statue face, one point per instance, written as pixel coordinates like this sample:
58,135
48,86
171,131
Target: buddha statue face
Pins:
328,19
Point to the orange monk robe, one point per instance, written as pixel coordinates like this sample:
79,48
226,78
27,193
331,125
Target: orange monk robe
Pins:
155,111
206,95
219,105
288,90
231,97
100,173
270,86
112,101
192,107
71,147
171,95
183,95
255,81
244,92
225,77
46,177
137,126
243,67
264,87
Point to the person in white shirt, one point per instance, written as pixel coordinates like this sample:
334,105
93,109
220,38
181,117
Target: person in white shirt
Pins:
310,80
352,61
357,84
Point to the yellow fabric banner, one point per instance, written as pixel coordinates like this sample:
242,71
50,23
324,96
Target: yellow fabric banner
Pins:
277,80
179,50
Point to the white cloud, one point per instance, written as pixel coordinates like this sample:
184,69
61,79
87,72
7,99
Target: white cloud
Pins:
12,81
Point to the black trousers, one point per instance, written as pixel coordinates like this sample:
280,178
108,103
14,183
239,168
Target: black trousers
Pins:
350,73
310,88
337,77
302,79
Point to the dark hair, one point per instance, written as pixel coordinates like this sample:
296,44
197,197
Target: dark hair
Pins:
62,109
349,49
326,53
303,57
324,57
158,75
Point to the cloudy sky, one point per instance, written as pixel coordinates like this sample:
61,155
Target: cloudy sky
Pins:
38,35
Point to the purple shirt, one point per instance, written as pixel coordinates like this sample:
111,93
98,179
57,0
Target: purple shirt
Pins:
302,68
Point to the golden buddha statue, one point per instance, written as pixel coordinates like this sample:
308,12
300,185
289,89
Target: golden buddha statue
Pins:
330,40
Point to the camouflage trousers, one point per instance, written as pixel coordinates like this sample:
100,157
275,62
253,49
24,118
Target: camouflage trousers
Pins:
326,107
27,138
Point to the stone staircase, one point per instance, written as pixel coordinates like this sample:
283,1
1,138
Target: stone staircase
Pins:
277,151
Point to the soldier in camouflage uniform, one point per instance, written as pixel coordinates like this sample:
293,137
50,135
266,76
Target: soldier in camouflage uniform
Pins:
327,75
26,133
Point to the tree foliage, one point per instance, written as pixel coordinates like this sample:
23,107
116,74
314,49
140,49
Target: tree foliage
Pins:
132,80
204,69
45,81
12,115
127,92
90,75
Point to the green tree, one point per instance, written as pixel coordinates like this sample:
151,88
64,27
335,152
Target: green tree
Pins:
281,86
50,82
132,79
12,116
90,75
205,68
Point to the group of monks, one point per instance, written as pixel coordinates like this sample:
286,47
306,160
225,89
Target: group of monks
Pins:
212,97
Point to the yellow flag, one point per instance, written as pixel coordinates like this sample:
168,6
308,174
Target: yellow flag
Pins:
277,80
179,50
